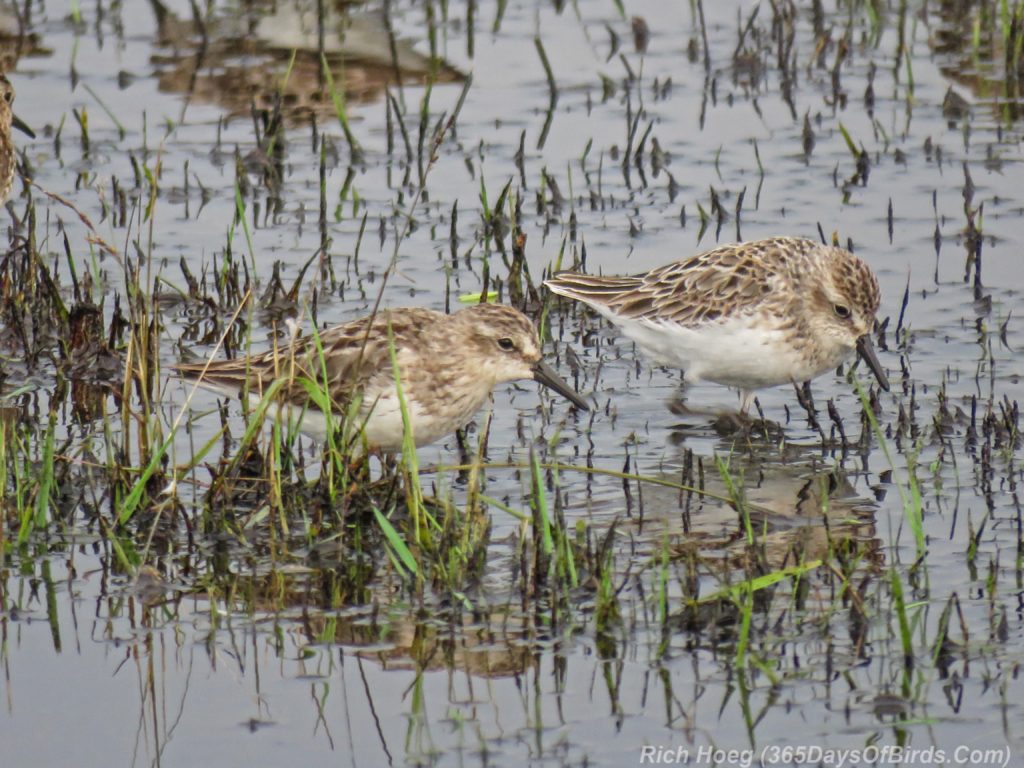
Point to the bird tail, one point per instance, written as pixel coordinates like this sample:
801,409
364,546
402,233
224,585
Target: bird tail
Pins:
595,290
219,376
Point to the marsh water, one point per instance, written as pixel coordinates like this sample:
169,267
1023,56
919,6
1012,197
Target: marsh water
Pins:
183,142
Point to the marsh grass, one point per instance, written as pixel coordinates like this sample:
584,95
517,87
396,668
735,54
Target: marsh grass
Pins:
341,111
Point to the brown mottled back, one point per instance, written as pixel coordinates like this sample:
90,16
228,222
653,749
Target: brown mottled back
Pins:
726,281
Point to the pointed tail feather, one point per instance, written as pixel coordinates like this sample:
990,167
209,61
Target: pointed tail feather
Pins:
591,289
218,377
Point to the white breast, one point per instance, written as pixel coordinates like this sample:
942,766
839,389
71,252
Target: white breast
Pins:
737,353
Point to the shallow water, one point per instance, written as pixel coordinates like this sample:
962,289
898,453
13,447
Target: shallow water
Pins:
318,668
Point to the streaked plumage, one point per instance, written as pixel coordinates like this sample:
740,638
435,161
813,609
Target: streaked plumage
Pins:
748,315
8,120
448,365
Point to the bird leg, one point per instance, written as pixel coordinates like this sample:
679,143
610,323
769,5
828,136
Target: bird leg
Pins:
746,400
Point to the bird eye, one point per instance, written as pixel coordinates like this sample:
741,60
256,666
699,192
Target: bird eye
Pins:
842,311
506,344
8,96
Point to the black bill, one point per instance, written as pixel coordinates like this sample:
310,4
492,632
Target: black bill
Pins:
866,351
20,124
545,374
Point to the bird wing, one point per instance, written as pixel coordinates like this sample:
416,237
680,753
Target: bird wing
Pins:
344,358
692,291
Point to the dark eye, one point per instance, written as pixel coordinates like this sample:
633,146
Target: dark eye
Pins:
506,344
842,311
9,96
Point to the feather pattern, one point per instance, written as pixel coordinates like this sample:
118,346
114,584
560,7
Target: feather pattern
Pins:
8,152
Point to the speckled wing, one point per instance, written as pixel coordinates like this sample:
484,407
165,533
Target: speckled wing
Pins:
355,355
292,363
703,288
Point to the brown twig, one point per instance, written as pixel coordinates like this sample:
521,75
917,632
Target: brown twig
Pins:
94,236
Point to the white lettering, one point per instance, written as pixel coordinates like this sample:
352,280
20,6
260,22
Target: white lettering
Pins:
654,755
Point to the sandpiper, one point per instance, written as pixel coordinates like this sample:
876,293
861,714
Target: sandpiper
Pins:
448,365
748,315
8,158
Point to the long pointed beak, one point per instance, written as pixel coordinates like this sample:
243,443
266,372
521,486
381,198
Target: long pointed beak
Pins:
20,124
866,350
545,374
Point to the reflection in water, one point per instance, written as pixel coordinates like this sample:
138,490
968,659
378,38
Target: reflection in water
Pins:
798,510
983,55
244,56
17,39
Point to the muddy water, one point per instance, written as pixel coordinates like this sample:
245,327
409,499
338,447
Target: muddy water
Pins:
91,677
